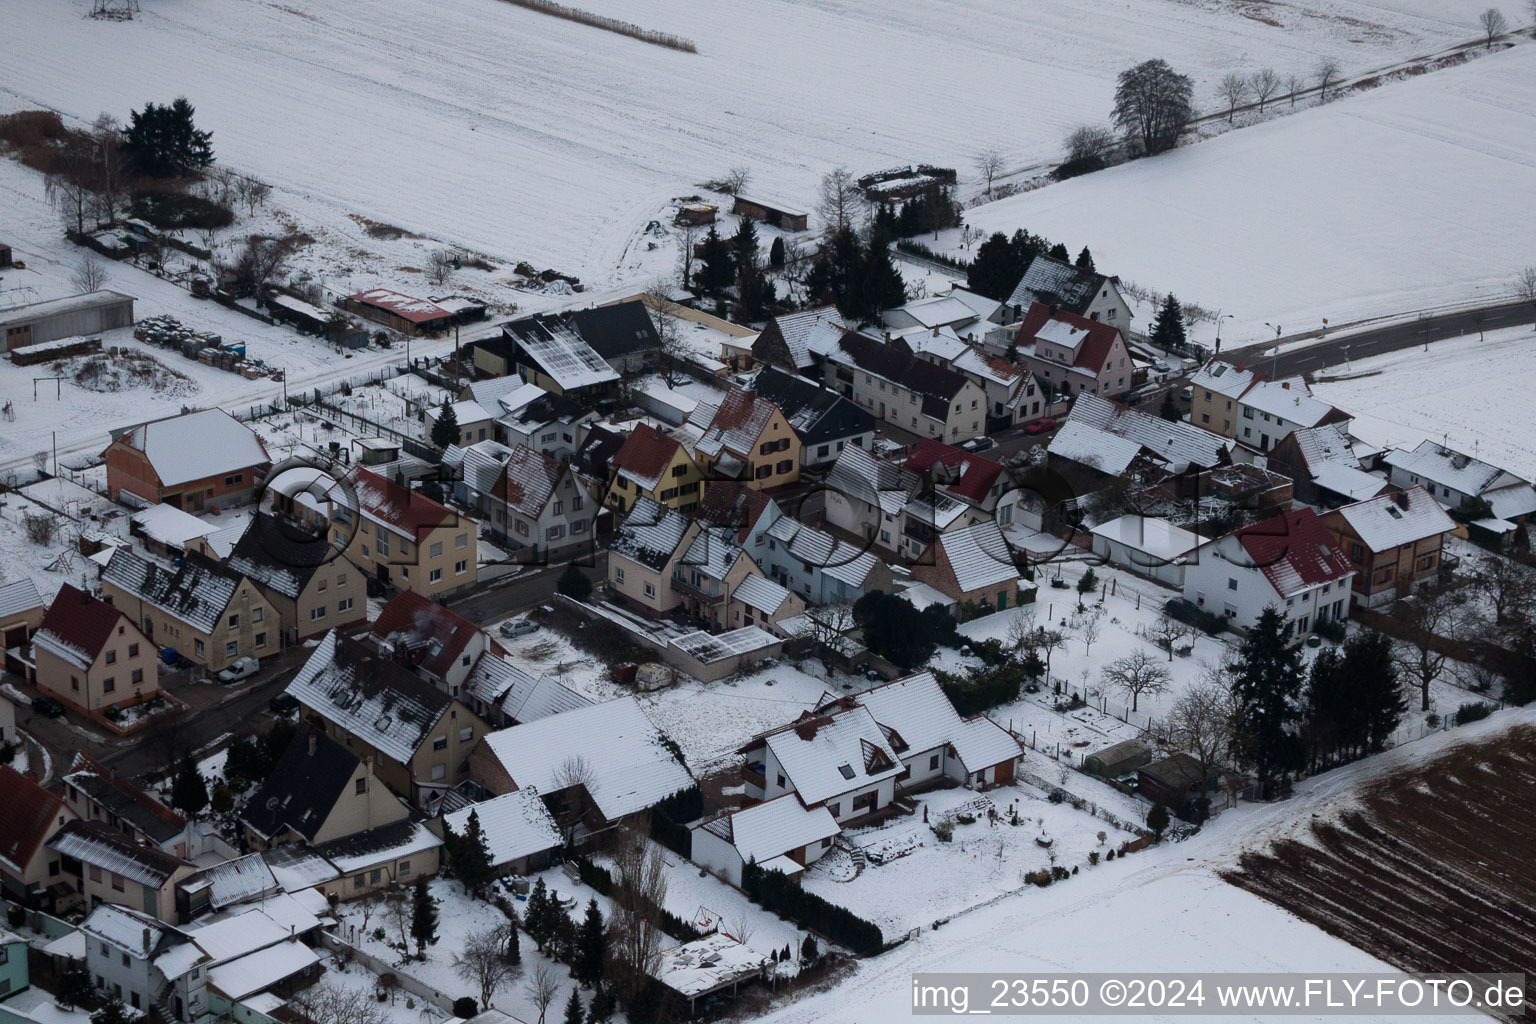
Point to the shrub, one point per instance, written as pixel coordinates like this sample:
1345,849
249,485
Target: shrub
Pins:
465,1007
1060,874
1074,168
1110,855
1093,857
171,210
1473,712
975,694
573,583
669,820
773,891
944,829
1331,629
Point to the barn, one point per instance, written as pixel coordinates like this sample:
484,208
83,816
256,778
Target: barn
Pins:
779,216
90,313
401,312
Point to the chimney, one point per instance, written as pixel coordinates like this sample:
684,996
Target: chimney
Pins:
146,940
887,337
935,331
1401,497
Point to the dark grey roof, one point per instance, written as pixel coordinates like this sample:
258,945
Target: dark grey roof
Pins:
1175,773
303,787
124,800
815,413
1057,284
616,330
196,592
277,557
99,844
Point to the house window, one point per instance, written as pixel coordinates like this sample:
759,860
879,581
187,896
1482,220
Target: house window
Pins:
234,622
823,451
383,544
618,575
133,650
785,465
933,762
358,881
344,605
440,743
108,684
111,657
466,734
361,786
438,772
231,649
522,528
781,781
374,876
435,576
826,843
317,613
117,882
137,677
74,683
435,550
197,647
763,472
405,868
1231,583
233,479
836,810
554,533
650,590
261,640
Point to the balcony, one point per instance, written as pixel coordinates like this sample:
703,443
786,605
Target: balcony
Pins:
683,586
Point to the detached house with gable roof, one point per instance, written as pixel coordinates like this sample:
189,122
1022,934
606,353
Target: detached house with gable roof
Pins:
438,646
793,339
895,386
1458,481
317,791
973,566
1291,563
406,539
30,874
1057,284
98,793
415,737
653,466
745,438
533,505
1073,354
91,656
111,868
312,590
824,421
838,758
209,613
192,462
1394,542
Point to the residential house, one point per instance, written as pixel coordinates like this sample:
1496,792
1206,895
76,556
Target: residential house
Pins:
983,486
1215,390
404,538
780,834
436,645
790,340
317,791
549,424
520,834
21,612
594,766
120,944
91,656
29,816
759,601
866,496
549,351
1147,546
652,466
311,589
1327,467
111,868
745,438
193,462
621,332
1269,410
840,759
1102,439
1057,284
1072,354
381,858
1291,563
957,309
897,387
973,566
712,566
1463,483
416,737
824,421
98,793
642,554
535,507
473,421
1394,541
209,613
168,532
503,694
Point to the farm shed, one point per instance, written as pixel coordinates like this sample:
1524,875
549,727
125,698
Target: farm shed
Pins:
778,215
1120,759
401,312
705,966
1175,780
708,658
89,313
697,213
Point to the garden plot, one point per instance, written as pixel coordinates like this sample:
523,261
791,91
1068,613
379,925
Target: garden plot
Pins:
911,878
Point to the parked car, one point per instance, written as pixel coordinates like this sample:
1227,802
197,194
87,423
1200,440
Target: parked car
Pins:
1187,393
1161,367
1043,425
240,668
978,444
513,628
283,704
48,707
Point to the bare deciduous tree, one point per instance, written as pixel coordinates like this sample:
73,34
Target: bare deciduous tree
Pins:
687,234
1425,621
1234,89
1088,626
1022,636
1264,82
1136,674
826,625
639,886
1165,633
541,987
90,274
1508,586
839,201
257,263
1200,721
69,184
1525,285
483,962
1327,74
327,1003
1048,640
440,265
1090,142
1293,85
669,329
1493,24
111,167
989,164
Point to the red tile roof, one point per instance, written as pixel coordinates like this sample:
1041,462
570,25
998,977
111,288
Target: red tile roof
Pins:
28,815
431,633
645,454
398,506
975,474
80,621
1295,551
1093,350
731,503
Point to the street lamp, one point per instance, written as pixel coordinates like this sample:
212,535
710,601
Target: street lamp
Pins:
1275,363
1219,318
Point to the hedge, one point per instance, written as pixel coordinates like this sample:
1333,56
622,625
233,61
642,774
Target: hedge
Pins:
971,695
669,820
773,890
599,878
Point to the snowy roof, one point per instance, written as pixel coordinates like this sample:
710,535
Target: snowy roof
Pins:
170,526
466,411
278,557
196,592
1223,379
19,596
515,401
1158,539
1053,282
630,767
761,593
858,474
372,847
799,328
262,969
416,311
121,798
919,717
531,699
826,755
979,556
1441,465
712,552
195,446
560,352
241,931
772,828
735,425
1346,480
490,391
99,844
940,342
704,965
130,931
981,743
1174,442
516,825
27,814
1291,401
303,787
399,508
644,456
1294,551
479,464
709,648
348,684
297,868
77,627
975,363
1094,447
837,558
527,480
68,304
649,534
1513,501
953,307
1392,520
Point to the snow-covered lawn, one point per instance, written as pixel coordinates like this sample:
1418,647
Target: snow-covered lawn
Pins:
1326,214
1482,402
516,153
923,880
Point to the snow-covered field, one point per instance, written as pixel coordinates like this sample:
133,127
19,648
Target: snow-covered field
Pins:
1472,395
1392,201
529,137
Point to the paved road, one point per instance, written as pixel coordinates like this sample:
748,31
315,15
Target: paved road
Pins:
1333,352
528,589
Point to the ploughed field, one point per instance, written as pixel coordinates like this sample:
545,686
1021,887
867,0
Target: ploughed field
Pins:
1432,871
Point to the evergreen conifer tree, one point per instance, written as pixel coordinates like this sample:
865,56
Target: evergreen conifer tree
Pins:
744,246
996,268
445,429
1059,252
470,856
808,950
881,286
536,916
1266,687
1369,662
423,917
1168,328
715,268
591,946
602,1006
776,252
1085,261
1157,819
189,793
